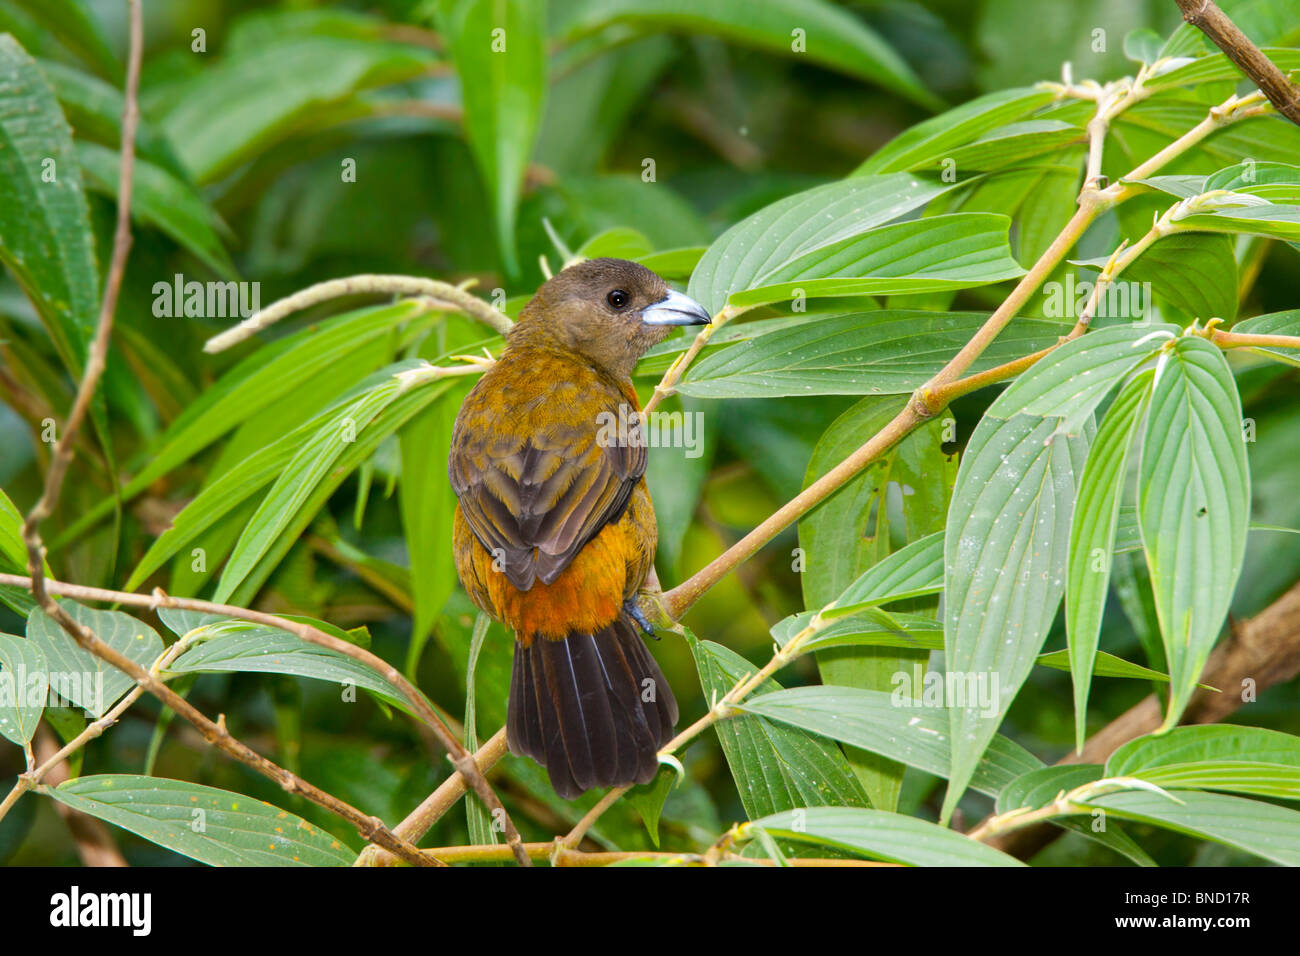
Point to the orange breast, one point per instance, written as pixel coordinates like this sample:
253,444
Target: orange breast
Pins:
586,596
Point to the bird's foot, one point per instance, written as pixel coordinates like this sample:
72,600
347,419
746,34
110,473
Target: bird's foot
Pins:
634,611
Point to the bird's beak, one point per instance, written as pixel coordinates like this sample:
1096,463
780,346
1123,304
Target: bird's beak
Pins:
675,309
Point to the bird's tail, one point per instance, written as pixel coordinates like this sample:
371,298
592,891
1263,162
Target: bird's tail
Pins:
593,709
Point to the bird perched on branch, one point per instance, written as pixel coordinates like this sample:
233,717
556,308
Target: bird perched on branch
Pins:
555,532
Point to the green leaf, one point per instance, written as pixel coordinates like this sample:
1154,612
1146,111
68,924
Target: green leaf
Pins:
775,768
1010,145
24,686
1274,323
1252,760
929,142
1007,539
1005,551
226,645
1276,182
13,552
1143,46
499,47
259,380
161,200
68,723
862,353
924,633
1240,213
237,108
1196,274
893,724
673,263
94,109
1260,828
79,676
212,826
1213,68
1040,787
46,240
830,36
223,496
912,571
853,531
923,255
621,242
884,836
1092,537
427,504
305,470
649,799
477,819
1193,506
78,29
799,226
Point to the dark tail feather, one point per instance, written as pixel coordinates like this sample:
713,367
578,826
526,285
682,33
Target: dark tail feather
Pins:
578,708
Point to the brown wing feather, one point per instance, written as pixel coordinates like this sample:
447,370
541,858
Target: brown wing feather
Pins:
534,483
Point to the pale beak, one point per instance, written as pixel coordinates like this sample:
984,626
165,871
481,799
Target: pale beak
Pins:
675,309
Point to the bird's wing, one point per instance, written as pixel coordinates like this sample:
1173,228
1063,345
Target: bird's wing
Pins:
535,500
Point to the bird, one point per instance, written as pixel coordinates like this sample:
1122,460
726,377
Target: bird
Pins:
554,531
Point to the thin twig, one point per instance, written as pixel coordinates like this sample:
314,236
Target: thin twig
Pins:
443,295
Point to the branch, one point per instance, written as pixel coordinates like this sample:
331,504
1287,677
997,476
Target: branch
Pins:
215,732
461,759
421,820
1206,16
443,295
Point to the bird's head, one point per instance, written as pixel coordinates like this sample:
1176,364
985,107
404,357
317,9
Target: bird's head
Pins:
610,311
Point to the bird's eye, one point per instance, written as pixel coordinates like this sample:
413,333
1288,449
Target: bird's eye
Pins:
618,299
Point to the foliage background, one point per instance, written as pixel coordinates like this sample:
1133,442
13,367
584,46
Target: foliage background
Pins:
730,128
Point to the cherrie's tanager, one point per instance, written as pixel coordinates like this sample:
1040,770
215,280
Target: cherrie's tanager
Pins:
555,533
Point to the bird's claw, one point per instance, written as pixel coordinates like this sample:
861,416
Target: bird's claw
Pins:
634,611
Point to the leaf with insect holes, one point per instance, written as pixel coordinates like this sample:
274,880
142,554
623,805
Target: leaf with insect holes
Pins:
1193,505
